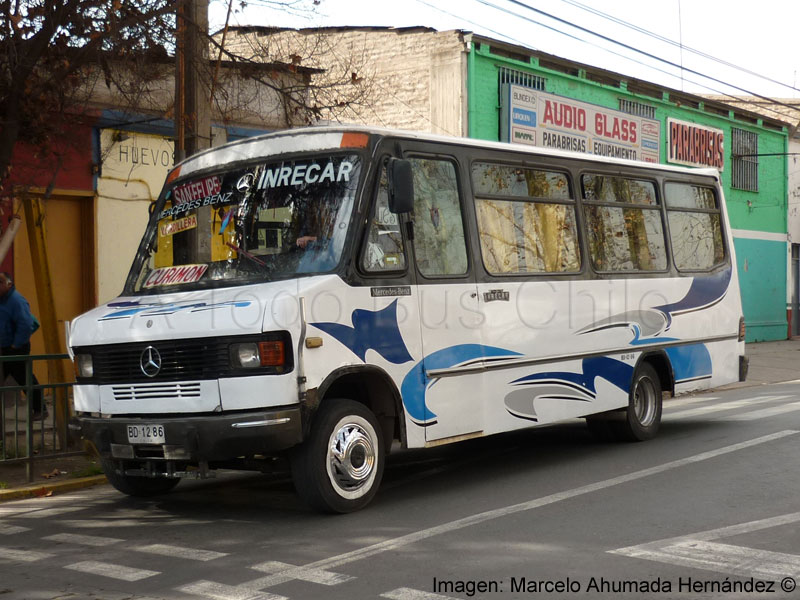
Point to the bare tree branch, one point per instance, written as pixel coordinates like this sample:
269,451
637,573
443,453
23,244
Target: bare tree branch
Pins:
61,58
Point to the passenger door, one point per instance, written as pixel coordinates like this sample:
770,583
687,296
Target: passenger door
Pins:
444,385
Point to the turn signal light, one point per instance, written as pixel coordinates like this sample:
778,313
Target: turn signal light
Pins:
272,353
251,355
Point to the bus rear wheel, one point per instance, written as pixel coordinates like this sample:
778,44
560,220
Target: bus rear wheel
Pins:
643,415
339,467
641,419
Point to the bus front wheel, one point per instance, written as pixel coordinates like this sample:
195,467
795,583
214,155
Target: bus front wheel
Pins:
339,467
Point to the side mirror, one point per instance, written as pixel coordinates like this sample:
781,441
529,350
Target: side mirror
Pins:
401,186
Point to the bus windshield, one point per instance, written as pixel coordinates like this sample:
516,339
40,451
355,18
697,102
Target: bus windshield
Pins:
268,221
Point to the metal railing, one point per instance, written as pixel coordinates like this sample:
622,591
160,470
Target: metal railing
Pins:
26,439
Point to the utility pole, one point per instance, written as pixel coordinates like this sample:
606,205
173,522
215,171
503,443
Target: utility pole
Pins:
192,103
192,106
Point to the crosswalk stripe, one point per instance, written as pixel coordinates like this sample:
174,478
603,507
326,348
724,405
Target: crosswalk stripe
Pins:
15,511
22,555
727,558
109,570
50,512
684,400
82,540
106,523
722,406
220,591
412,594
6,529
700,551
280,572
764,413
180,552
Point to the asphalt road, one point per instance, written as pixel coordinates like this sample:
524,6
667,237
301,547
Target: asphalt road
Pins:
709,509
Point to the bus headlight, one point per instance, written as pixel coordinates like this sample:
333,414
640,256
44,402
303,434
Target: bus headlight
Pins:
83,365
252,355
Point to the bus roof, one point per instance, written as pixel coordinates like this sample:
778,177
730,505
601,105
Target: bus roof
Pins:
330,137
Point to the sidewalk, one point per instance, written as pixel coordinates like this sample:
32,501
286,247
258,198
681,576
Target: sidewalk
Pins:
770,362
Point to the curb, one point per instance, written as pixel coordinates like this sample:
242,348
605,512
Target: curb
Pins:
40,490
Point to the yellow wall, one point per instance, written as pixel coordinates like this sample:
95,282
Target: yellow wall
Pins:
69,237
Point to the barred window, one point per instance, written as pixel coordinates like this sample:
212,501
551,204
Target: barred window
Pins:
744,161
521,78
637,108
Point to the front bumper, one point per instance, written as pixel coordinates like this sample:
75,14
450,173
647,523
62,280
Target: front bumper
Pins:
196,439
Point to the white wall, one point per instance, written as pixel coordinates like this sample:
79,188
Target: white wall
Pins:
793,217
415,78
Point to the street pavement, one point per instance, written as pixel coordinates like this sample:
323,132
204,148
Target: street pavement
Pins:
770,362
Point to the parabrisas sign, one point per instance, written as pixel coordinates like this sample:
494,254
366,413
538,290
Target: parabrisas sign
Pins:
695,145
539,119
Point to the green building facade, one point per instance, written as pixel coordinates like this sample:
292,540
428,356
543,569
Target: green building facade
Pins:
667,126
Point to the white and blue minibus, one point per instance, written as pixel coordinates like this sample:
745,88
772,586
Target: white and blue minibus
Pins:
325,294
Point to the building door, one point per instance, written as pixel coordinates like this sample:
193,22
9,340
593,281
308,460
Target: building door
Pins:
69,235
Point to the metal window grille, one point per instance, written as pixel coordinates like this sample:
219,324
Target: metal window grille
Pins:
637,108
744,160
521,78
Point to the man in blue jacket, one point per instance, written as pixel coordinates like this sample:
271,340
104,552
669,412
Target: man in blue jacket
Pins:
16,327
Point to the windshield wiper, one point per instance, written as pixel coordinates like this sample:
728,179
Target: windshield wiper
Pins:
246,254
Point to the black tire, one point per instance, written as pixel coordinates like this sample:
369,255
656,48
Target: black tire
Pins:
642,418
339,467
137,486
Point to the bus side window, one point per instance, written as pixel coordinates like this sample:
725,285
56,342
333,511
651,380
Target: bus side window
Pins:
439,245
623,220
384,248
695,226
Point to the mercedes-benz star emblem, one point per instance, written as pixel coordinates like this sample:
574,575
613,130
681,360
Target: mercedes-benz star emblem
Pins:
245,182
150,361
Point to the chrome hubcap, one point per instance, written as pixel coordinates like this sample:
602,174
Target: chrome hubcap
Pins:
644,402
351,457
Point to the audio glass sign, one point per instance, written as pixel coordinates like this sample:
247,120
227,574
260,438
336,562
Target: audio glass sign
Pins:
549,121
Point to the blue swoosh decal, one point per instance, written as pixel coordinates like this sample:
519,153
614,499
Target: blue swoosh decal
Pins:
704,291
616,372
376,330
129,309
690,362
416,381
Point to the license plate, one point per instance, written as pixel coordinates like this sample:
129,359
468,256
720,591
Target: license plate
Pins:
146,434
